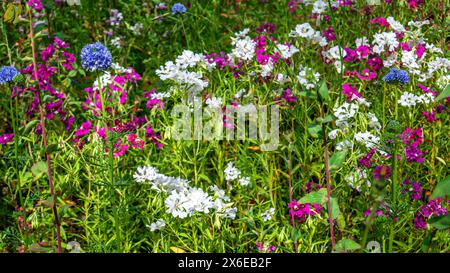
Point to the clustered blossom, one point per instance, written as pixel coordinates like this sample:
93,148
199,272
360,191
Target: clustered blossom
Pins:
365,160
95,57
307,78
268,214
302,211
412,138
383,210
183,200
432,208
7,74
232,173
178,8
55,53
414,189
398,75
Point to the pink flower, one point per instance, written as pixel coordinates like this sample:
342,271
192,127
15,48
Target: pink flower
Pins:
35,4
6,138
350,92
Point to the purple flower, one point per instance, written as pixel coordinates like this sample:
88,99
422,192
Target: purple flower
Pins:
365,160
432,208
95,57
382,172
413,188
35,4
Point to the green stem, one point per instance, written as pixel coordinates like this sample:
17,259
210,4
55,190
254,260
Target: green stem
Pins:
14,119
109,139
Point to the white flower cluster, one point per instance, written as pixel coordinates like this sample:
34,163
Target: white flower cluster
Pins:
307,77
367,139
183,200
306,31
137,28
244,46
374,123
286,51
190,81
233,173
214,102
357,179
268,214
407,99
159,224
116,42
159,182
344,114
334,54
73,2
381,40
395,25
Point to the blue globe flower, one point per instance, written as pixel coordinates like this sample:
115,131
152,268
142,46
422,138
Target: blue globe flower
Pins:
95,57
399,75
178,8
7,74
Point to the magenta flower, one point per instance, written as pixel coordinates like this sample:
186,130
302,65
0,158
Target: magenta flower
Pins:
6,138
35,4
430,117
365,160
413,188
350,91
432,208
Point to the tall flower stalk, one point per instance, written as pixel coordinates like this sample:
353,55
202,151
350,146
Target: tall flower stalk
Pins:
44,137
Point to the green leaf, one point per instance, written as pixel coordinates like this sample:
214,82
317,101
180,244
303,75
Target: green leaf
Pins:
337,159
442,188
323,91
327,119
334,207
315,129
39,169
317,197
51,148
441,222
30,126
346,245
444,94
9,15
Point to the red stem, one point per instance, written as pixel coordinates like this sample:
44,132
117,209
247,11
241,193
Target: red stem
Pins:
328,179
290,200
44,137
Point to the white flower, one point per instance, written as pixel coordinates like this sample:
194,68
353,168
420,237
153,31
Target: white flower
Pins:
244,49
345,113
158,181
369,140
333,134
354,180
159,224
319,7
361,41
307,77
244,181
286,51
395,25
303,30
373,121
380,40
231,172
214,102
268,214
230,213
344,145
408,99
266,69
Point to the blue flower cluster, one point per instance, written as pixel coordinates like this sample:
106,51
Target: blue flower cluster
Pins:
95,57
178,8
399,75
7,74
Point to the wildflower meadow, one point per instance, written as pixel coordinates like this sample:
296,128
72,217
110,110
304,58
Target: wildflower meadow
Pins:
225,126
